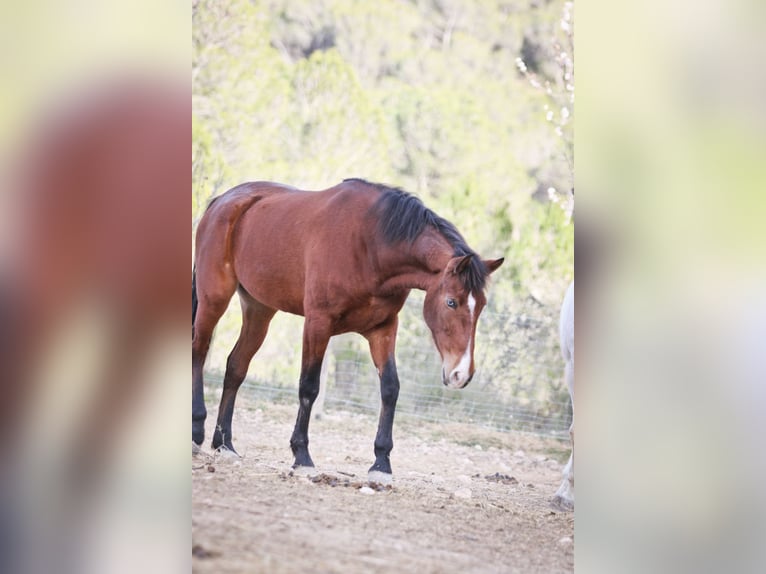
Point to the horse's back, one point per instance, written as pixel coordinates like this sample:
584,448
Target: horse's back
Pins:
285,198
237,199
298,219
278,237
224,212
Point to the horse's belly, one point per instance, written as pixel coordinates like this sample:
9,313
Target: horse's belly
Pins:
269,282
274,292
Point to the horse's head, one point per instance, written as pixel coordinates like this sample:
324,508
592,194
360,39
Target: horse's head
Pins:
451,310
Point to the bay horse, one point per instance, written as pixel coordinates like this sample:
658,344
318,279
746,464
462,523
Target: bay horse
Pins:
564,498
346,259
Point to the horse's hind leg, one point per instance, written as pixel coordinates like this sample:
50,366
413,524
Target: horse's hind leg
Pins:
212,303
255,324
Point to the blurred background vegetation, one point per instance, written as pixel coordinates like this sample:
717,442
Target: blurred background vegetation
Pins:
468,104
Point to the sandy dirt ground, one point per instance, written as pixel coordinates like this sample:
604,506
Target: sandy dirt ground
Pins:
464,499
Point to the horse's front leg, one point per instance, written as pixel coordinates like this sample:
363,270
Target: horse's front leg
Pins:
316,335
382,345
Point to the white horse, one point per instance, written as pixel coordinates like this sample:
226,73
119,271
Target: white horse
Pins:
564,498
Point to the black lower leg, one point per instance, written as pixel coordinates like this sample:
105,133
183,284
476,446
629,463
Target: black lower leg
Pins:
198,424
307,394
235,374
222,434
200,346
384,442
199,412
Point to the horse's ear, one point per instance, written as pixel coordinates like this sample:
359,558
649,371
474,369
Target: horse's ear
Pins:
461,263
492,265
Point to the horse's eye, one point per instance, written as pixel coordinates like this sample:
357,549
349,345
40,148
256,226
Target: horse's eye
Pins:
451,303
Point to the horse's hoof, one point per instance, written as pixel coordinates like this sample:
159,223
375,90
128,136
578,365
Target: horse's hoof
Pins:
384,478
561,504
225,453
309,471
196,449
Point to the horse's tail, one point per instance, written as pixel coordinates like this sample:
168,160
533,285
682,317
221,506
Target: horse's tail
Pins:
194,295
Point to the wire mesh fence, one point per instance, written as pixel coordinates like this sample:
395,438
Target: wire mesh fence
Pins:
518,383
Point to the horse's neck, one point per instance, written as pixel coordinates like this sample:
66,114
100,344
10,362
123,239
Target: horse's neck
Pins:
418,266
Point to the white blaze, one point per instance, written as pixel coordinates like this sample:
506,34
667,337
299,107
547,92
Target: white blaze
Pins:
459,374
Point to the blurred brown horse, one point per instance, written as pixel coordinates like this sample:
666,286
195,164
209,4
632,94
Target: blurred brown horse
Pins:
96,228
97,189
346,259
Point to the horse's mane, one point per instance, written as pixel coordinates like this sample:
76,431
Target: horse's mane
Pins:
402,217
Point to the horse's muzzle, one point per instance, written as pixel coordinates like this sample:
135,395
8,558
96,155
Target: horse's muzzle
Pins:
456,380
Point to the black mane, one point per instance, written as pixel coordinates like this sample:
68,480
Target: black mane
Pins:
402,217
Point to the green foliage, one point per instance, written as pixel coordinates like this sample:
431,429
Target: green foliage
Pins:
208,168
